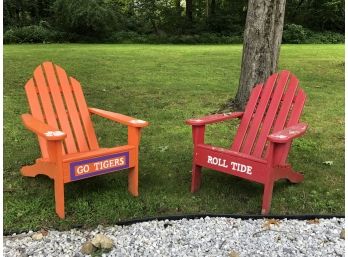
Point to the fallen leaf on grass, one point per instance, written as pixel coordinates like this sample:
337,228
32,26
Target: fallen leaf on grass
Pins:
163,148
328,163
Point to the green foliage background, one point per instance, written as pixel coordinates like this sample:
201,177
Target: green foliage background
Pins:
161,21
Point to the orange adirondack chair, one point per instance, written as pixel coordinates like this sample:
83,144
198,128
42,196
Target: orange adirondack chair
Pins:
259,152
70,150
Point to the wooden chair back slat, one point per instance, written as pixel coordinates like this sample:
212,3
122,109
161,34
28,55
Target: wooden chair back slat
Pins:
72,110
287,103
294,117
59,106
247,116
254,125
270,108
36,111
271,113
45,99
58,100
85,116
288,100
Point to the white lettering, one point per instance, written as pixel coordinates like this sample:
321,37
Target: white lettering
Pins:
82,169
97,166
249,170
217,161
241,168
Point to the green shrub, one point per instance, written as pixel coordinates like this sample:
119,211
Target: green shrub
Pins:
34,34
204,38
93,19
326,37
294,34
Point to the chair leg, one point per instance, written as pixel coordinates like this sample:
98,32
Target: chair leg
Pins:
133,180
294,177
196,177
30,171
59,197
267,197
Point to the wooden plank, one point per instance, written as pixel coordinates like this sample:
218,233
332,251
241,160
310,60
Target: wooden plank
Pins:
287,102
297,108
231,162
85,116
294,119
259,114
59,106
286,135
271,113
214,118
45,98
46,102
248,113
285,108
72,109
35,108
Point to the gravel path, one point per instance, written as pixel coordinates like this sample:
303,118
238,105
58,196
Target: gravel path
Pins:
199,237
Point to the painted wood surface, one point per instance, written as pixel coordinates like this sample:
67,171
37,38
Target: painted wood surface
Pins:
70,151
263,139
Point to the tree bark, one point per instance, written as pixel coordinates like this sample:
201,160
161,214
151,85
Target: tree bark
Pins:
212,7
178,7
261,48
189,15
207,11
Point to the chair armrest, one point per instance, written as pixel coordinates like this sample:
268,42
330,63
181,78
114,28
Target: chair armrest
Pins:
289,133
120,118
42,129
214,118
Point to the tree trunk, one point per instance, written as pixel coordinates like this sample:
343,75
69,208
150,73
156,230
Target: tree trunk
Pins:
262,39
207,8
178,7
212,7
189,15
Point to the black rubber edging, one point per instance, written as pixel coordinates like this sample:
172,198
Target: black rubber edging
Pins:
211,215
235,216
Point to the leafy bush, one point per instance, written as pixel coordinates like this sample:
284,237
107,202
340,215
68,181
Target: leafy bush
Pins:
294,34
326,37
204,38
33,34
91,18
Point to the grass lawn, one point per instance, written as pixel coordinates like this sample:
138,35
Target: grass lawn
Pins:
165,85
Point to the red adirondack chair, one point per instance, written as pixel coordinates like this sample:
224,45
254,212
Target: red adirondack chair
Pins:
259,152
70,150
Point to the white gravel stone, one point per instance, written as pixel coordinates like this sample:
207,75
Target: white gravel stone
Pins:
209,237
